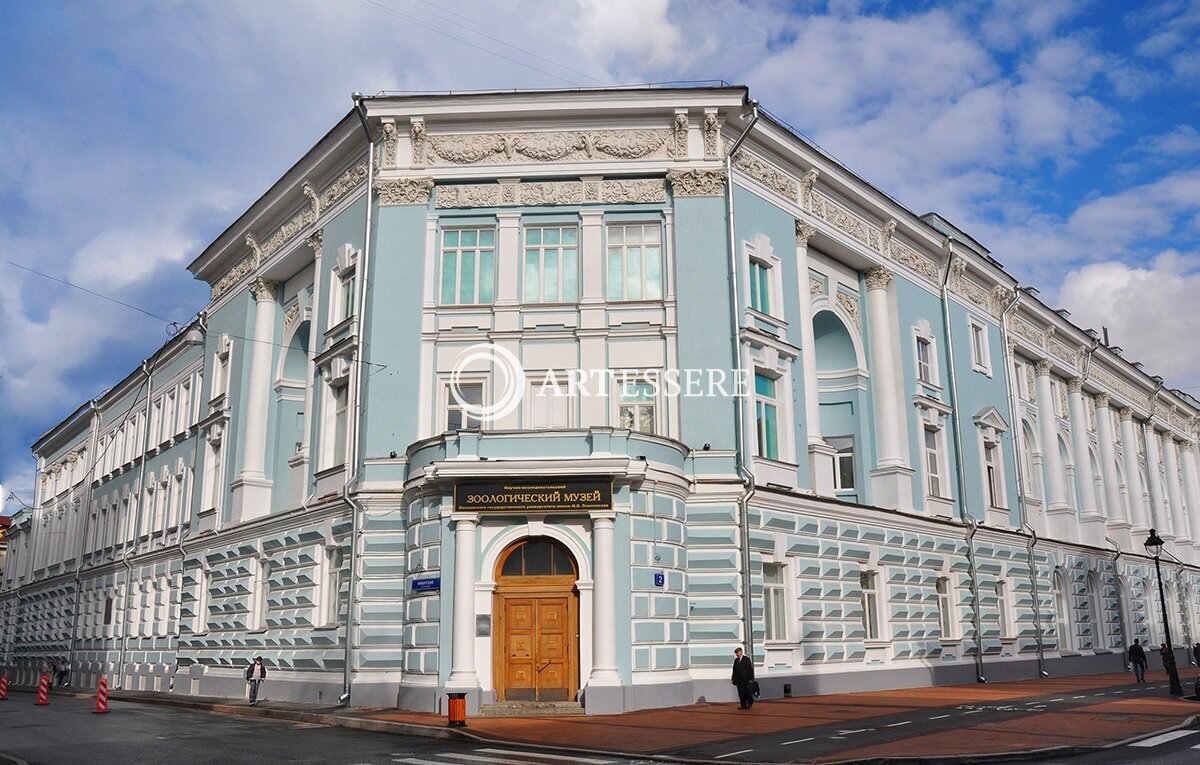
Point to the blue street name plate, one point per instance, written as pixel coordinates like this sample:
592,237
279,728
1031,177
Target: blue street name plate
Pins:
428,584
660,580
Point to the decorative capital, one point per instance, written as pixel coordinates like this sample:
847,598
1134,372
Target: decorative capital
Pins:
1074,385
697,183
1126,414
804,232
404,191
1187,445
316,240
262,289
1102,400
879,278
1042,367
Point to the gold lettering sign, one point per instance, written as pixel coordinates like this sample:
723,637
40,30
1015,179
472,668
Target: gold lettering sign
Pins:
546,495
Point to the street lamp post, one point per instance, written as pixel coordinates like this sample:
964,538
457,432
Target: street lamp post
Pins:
1154,547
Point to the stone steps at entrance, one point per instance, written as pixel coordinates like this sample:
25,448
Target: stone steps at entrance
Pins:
531,709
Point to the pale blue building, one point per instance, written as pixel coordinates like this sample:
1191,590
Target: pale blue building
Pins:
561,396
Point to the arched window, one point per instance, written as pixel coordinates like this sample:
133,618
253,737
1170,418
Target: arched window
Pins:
1031,462
835,349
537,556
1062,611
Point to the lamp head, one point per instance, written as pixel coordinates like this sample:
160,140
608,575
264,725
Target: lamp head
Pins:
1154,544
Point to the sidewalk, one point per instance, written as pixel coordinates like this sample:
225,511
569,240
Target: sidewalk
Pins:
963,723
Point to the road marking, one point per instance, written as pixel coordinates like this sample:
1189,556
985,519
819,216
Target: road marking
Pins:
1079,697
897,725
418,761
849,732
1054,700
719,756
972,712
939,717
797,741
1164,738
539,755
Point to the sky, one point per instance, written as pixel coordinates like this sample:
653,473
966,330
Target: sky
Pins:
1063,135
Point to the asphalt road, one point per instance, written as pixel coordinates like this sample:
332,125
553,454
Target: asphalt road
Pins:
67,733
1180,747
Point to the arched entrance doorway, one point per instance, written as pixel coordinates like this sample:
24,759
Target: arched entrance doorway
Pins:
536,607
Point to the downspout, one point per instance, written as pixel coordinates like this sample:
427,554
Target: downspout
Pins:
1022,514
966,517
93,446
136,524
739,402
356,413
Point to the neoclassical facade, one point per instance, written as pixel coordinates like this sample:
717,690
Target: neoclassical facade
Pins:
759,404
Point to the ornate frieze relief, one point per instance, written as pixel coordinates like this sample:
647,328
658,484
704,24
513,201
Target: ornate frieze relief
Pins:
240,270
344,184
1026,330
1064,351
766,174
712,136
404,191
806,186
680,129
849,304
390,137
585,191
290,313
1116,385
992,301
499,148
697,183
913,260
815,287
840,217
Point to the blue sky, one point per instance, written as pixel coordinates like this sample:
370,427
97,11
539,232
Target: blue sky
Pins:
1065,136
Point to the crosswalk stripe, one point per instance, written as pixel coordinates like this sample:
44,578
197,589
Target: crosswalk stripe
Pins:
1164,738
474,757
418,761
539,755
723,756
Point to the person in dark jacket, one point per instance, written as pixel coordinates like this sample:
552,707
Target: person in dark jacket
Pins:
743,678
255,674
1137,659
1196,654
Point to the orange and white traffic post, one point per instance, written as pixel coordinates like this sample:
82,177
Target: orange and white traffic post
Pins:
43,695
3,687
102,696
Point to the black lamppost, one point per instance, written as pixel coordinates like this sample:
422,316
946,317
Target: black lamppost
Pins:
1154,547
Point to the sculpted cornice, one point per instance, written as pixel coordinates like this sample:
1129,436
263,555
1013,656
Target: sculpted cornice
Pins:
766,174
549,193
404,191
697,183
432,150
334,193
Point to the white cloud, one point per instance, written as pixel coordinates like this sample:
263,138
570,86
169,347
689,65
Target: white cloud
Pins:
1150,311
636,32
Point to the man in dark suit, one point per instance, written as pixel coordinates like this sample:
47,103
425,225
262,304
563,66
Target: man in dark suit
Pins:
743,678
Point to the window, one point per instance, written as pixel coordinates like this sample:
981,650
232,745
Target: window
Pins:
185,406
945,608
925,360
168,428
155,422
635,262
551,264
342,300
339,396
220,385
933,463
981,360
760,286
332,594
1021,379
1003,619
867,581
550,403
214,482
460,400
775,601
635,411
1062,611
766,416
843,465
468,275
108,611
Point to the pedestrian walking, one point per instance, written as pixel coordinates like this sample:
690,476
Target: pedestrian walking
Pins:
743,678
1196,654
255,674
1137,659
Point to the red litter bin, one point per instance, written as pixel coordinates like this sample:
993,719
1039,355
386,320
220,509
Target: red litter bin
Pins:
457,710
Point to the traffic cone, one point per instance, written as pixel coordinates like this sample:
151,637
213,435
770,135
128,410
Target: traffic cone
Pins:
43,695
102,697
3,687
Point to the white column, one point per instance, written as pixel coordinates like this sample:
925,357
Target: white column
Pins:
1160,514
251,489
820,454
604,603
299,462
507,311
1179,516
462,650
593,319
1056,498
1090,519
892,477
1129,453
1191,487
1108,468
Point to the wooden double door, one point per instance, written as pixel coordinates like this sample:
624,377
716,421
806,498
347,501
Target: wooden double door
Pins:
536,640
